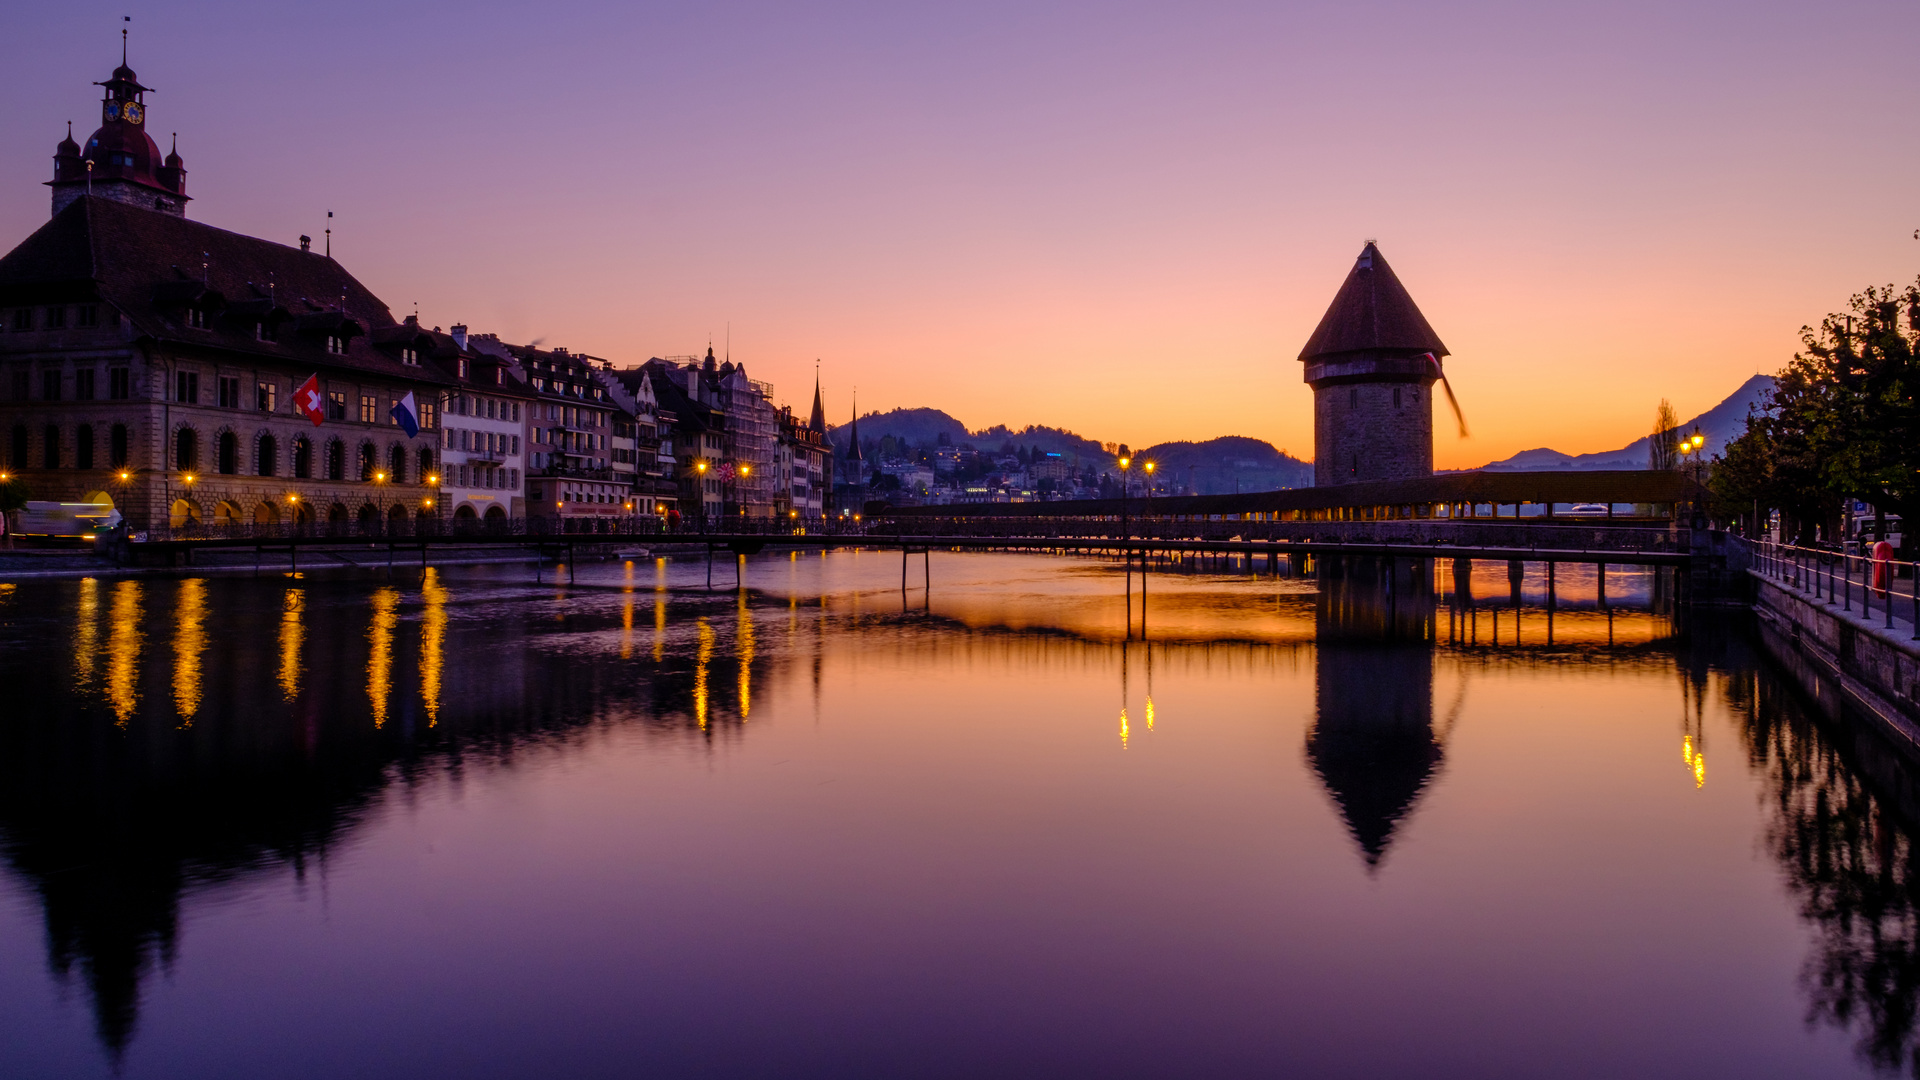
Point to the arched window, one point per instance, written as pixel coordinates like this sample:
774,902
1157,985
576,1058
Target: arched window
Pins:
302,457
50,447
186,449
397,464
117,446
83,447
17,454
268,455
227,453
367,459
336,460
426,464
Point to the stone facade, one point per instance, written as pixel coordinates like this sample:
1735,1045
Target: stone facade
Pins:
1372,430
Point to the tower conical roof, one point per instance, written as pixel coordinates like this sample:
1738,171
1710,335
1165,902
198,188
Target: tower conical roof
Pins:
818,421
1372,311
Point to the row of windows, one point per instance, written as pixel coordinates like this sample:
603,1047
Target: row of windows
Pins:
573,389
571,441
86,384
266,398
475,476
490,408
482,442
301,464
54,316
52,447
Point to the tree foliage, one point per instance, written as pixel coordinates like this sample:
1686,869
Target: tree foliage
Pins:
1841,422
1662,445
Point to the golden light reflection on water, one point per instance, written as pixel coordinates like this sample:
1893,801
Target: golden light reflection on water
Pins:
189,641
86,634
659,609
433,642
700,661
292,634
626,616
1695,760
743,643
380,656
123,651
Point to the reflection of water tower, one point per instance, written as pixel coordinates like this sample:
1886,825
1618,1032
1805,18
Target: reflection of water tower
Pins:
1372,363
1373,742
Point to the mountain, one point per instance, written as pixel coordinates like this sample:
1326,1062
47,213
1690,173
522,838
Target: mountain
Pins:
1226,464
1719,424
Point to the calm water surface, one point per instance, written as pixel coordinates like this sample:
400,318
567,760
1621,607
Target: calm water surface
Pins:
1339,824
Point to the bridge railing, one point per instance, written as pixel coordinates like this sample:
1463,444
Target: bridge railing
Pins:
532,529
1580,536
1843,579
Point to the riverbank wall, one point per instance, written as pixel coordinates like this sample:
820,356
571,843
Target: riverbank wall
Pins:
1844,658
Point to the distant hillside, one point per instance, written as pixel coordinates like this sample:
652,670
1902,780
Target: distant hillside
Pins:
1719,424
1229,463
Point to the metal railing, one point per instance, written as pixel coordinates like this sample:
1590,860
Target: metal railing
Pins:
535,528
1843,580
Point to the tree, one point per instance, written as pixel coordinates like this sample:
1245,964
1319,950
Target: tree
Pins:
1661,444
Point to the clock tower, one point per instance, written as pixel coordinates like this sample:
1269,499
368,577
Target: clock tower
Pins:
120,161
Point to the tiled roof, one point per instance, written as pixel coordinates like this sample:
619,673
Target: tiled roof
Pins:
1372,312
152,267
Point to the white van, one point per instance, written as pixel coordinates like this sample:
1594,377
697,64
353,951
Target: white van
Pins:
72,520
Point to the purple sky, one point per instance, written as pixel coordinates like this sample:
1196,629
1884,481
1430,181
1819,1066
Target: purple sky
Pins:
1120,219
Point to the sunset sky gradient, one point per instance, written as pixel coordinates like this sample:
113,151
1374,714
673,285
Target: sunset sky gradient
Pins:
1120,219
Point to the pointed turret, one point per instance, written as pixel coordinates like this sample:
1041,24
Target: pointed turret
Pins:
817,421
1372,363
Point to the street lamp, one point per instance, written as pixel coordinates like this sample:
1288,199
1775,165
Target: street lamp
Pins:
1125,531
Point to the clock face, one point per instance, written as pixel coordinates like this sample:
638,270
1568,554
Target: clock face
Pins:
131,110
110,110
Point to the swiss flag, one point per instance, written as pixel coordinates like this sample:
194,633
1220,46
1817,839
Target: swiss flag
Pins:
307,399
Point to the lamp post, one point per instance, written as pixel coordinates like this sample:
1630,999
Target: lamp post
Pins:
1126,531
1150,466
700,469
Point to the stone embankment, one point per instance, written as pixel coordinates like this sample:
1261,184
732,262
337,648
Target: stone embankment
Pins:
1844,654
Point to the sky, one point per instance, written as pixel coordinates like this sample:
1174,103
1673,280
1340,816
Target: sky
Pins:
1121,219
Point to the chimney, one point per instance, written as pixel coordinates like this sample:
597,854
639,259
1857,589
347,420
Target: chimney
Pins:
459,332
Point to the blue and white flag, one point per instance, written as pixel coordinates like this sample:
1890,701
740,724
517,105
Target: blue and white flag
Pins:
406,415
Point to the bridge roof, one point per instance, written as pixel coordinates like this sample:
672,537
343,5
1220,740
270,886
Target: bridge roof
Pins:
1595,486
1372,312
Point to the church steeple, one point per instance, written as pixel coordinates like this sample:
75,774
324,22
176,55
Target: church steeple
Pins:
817,421
120,161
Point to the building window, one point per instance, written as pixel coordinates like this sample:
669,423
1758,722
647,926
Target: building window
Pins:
428,414
23,319
302,458
463,367
83,447
266,397
56,317
186,449
227,453
117,446
259,331
336,406
369,408
83,384
336,344
86,315
499,376
409,357
197,318
336,460
229,393
119,383
50,385
17,453
22,385
1353,398
367,459
267,455
397,464
1396,397
50,447
186,387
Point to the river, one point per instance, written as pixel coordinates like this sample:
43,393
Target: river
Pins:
1344,823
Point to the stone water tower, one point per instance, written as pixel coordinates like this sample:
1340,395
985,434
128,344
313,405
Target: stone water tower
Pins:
1372,363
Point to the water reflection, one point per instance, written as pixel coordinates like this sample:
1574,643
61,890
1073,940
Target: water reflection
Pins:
86,632
116,835
189,641
1372,742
